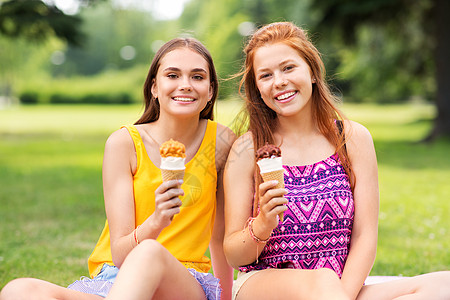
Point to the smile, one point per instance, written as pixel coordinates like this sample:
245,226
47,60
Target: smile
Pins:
285,96
183,99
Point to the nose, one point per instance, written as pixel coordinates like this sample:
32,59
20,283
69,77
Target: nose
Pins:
185,85
279,80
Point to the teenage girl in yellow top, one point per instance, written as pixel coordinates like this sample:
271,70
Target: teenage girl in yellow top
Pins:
157,233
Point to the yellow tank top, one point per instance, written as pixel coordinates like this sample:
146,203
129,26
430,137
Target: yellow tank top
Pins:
189,234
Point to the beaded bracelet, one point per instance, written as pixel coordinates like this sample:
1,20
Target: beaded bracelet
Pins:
252,234
135,235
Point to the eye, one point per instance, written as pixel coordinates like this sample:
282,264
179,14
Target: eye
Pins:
172,75
264,75
198,77
288,67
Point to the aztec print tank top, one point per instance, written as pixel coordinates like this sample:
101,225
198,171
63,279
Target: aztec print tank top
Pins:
317,226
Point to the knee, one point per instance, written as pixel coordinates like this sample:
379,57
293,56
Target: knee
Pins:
439,282
21,288
151,250
326,275
329,285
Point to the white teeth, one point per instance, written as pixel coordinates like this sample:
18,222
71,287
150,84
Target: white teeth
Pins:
183,99
285,96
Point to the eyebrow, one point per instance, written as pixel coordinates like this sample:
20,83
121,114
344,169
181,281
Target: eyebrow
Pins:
195,70
282,63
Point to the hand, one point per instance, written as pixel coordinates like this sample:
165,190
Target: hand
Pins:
167,203
271,203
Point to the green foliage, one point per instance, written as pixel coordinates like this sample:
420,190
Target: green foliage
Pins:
109,87
36,21
388,60
369,69
109,31
383,49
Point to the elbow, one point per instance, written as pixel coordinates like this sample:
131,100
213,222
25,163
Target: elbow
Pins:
117,258
228,252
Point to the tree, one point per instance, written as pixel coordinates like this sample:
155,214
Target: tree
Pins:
349,15
35,20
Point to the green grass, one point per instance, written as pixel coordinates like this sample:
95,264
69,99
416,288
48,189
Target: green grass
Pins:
414,179
51,204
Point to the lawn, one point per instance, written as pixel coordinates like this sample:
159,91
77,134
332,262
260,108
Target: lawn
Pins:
51,205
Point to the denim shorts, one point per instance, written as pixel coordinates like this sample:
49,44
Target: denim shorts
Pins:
102,283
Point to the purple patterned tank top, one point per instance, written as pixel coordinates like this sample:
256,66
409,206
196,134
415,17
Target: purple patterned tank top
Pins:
317,226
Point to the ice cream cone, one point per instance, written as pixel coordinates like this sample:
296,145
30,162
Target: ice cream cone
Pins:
173,154
279,176
172,174
268,158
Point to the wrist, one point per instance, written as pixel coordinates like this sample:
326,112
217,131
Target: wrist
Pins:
150,229
259,232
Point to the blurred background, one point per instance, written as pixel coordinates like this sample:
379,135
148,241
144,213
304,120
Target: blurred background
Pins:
87,51
72,71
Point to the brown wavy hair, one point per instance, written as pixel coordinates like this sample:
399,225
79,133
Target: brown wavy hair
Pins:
152,108
261,119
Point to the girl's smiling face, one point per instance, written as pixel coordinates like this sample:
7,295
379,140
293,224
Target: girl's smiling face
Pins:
283,78
182,84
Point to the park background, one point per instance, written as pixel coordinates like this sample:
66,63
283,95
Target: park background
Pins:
71,72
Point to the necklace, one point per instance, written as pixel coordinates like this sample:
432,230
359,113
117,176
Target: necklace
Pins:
153,139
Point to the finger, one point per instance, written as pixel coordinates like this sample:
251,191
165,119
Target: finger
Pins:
272,193
173,193
166,185
169,203
173,211
265,186
275,203
175,202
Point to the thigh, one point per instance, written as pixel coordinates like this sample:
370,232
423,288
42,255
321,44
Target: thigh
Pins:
427,286
179,283
151,271
31,288
292,284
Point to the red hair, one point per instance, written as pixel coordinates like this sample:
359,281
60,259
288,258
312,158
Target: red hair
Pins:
261,119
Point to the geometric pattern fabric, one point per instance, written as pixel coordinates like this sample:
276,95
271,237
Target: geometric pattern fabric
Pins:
317,226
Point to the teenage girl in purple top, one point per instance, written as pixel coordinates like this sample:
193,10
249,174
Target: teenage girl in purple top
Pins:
326,245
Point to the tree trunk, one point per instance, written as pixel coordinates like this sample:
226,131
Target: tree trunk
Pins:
442,60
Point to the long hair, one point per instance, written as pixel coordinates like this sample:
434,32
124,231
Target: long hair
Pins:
261,119
152,108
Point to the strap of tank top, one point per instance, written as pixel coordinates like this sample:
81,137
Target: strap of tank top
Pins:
340,127
137,140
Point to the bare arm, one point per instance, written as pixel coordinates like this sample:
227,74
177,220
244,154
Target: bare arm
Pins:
223,271
240,248
119,164
366,198
118,192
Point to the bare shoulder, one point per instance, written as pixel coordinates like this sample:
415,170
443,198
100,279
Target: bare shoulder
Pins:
225,138
243,148
356,132
358,138
119,139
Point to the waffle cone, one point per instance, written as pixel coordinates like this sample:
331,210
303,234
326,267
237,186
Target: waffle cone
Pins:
279,176
172,174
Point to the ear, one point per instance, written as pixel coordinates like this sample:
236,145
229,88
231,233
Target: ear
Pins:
154,89
211,91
